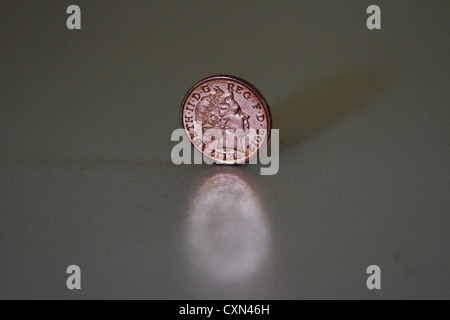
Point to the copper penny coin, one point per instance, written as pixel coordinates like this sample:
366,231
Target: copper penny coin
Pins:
226,118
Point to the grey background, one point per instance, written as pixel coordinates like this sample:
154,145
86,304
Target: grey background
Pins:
85,172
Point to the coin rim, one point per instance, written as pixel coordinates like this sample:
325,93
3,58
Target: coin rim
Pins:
255,91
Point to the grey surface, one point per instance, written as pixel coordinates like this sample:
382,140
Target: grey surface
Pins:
86,177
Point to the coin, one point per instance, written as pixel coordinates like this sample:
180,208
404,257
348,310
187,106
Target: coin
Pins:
226,118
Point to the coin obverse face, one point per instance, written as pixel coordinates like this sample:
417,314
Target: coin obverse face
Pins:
226,118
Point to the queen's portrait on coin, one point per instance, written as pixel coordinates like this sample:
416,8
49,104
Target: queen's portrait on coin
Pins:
222,123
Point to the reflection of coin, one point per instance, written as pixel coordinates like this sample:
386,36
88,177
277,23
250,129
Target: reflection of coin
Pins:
228,236
226,118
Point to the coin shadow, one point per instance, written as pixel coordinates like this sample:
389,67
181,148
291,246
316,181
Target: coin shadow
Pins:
325,104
